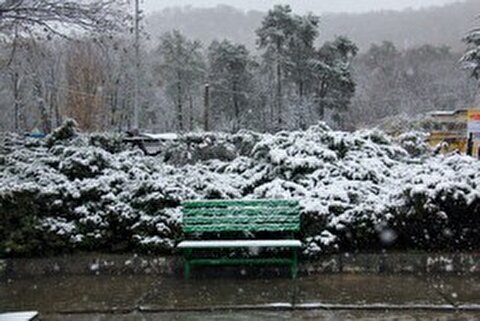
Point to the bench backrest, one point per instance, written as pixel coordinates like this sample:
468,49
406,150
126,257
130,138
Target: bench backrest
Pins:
241,215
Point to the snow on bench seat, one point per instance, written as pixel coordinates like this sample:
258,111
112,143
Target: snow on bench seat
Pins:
238,243
19,316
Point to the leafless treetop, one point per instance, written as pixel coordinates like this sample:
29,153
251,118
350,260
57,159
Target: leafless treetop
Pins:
60,16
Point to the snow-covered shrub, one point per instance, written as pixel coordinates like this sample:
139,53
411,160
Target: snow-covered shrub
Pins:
195,147
112,143
68,130
438,204
358,191
244,141
415,143
80,197
83,162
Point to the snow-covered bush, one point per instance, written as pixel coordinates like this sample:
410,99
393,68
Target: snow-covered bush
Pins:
112,143
196,147
358,191
83,197
68,130
415,143
438,204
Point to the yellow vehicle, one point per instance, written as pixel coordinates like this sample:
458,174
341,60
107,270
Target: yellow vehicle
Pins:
450,130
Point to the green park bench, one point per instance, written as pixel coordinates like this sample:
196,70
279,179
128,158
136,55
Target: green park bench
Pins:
216,225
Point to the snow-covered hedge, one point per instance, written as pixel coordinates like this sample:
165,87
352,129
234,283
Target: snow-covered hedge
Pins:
359,191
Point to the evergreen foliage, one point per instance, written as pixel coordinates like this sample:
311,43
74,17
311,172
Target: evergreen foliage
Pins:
230,79
352,187
471,58
301,71
182,68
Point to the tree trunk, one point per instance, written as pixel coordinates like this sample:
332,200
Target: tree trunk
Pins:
45,120
179,107
58,116
113,107
191,112
206,108
16,102
53,95
236,107
52,103
279,96
321,94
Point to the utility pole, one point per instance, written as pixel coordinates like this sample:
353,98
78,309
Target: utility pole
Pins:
206,107
137,65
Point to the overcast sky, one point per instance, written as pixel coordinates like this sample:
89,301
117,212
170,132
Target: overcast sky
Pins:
301,6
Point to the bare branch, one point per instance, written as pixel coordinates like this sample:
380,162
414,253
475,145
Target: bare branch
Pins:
61,17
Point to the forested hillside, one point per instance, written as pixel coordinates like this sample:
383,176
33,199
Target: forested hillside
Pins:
436,25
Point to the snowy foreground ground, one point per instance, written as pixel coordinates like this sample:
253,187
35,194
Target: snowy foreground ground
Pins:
359,191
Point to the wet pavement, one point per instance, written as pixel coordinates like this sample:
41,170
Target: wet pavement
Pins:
318,297
317,315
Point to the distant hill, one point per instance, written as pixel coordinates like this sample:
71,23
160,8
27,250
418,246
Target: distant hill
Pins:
409,28
207,24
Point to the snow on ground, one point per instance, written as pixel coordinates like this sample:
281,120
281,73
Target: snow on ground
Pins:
90,192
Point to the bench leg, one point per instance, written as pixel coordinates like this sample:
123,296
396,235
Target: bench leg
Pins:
186,267
186,264
294,266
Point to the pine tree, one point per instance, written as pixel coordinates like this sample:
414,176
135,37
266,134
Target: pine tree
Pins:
471,58
299,63
278,27
230,78
302,72
182,69
335,86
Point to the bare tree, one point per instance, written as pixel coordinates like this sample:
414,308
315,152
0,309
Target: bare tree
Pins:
182,68
19,17
86,76
23,25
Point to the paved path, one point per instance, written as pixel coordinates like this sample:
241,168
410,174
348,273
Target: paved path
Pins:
320,297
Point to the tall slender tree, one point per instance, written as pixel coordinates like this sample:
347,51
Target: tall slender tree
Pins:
335,86
86,76
230,79
300,62
182,68
278,27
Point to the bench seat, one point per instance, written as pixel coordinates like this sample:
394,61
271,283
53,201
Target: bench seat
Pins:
238,244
